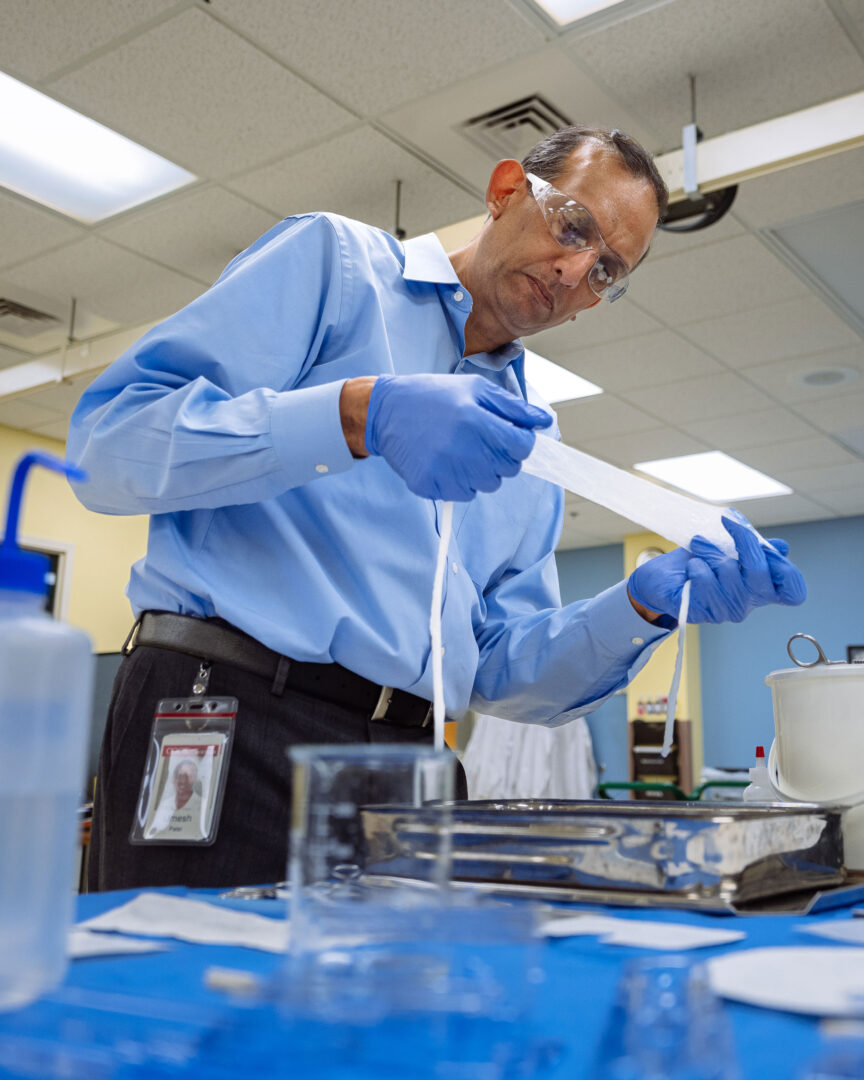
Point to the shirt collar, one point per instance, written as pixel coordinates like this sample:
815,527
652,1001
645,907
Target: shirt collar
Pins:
426,260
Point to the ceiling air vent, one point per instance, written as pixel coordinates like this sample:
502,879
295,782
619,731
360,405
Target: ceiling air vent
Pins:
511,130
24,321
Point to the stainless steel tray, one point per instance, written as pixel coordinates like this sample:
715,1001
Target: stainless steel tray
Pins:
728,853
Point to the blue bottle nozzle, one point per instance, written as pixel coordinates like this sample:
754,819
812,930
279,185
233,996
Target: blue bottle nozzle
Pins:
25,571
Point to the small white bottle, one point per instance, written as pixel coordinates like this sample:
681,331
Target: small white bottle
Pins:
759,789
46,676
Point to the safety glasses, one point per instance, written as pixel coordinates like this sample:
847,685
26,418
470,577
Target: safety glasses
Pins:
574,227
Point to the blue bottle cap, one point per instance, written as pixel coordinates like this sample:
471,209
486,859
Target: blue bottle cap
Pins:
26,571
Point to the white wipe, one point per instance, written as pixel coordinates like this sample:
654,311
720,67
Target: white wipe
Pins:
161,915
668,513
672,701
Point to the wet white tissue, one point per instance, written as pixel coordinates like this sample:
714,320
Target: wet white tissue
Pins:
81,944
812,979
162,916
639,933
848,930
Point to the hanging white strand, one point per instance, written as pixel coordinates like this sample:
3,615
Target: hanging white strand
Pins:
435,625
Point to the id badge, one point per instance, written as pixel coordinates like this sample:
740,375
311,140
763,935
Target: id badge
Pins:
186,771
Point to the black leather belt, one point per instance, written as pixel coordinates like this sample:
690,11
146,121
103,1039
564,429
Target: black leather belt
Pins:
216,640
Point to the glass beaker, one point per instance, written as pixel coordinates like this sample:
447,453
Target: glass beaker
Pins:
371,838
667,1024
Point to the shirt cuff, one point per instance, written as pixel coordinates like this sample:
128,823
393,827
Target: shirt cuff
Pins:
619,626
306,431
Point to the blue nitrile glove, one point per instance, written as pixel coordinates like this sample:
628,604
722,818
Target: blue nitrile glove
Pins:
450,436
723,589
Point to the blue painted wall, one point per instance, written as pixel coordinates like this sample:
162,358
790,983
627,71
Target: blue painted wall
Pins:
584,573
736,705
735,658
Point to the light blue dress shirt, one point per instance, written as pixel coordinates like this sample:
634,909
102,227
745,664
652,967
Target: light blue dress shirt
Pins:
222,423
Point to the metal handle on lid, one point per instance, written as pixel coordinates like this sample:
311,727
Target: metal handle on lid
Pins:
820,659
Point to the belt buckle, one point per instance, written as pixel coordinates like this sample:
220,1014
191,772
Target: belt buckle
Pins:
383,704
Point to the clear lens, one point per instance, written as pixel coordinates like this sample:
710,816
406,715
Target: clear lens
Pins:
608,277
572,226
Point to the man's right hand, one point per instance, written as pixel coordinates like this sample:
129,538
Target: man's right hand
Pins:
450,436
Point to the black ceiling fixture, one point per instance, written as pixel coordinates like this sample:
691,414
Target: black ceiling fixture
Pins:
698,209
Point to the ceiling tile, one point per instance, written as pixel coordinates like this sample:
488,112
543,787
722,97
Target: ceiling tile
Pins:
63,397
385,52
317,179
827,478
782,378
793,328
28,230
803,189
781,459
19,413
628,447
834,414
853,10
846,501
697,399
605,322
41,36
11,357
203,97
782,510
198,233
599,521
672,243
647,360
106,279
720,279
751,61
750,429
591,418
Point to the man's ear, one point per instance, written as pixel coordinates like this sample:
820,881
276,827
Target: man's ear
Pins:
506,185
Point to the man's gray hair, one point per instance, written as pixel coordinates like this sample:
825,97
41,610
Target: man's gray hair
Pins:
549,158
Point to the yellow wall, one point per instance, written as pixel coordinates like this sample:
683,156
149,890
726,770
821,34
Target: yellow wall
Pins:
104,546
654,680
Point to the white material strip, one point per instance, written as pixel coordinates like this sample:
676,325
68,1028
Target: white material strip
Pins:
672,700
435,624
668,513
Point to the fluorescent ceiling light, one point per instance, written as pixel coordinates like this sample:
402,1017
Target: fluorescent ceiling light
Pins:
713,476
554,383
56,156
567,11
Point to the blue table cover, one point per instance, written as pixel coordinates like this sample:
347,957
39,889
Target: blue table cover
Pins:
151,1015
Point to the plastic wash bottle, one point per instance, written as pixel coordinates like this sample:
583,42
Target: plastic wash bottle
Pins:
759,789
46,677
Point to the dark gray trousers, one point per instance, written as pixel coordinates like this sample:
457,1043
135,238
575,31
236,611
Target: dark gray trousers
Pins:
251,846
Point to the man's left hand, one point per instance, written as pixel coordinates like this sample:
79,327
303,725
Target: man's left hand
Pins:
723,589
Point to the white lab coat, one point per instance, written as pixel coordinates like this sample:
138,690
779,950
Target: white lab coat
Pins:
508,760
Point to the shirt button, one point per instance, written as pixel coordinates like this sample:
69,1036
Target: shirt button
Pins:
455,568
322,468
458,295
638,641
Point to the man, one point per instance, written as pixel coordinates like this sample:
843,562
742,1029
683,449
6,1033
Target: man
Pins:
179,815
290,433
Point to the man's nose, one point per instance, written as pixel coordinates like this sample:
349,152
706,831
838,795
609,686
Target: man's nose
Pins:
573,266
